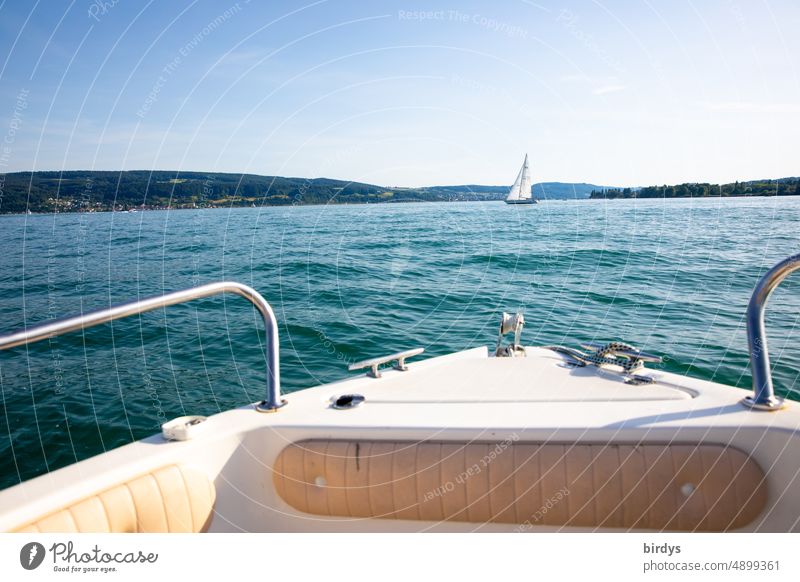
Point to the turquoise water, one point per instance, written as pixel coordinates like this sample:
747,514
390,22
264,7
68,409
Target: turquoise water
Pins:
346,282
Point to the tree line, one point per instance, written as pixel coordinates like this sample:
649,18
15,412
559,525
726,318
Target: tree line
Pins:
779,187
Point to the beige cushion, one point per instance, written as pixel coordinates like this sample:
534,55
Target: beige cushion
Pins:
170,499
683,487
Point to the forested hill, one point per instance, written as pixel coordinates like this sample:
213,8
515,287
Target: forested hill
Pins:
76,191
778,187
82,191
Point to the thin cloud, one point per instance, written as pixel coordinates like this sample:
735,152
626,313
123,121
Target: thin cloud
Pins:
246,57
750,107
607,89
575,78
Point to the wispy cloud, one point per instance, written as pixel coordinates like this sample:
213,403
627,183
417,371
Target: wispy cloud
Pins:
575,78
246,57
605,89
602,84
750,107
535,5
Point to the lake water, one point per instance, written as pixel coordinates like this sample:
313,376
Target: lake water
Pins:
347,282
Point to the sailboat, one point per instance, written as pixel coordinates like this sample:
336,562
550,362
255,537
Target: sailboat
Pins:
521,190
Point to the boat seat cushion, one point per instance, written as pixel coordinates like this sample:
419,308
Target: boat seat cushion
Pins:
678,487
168,500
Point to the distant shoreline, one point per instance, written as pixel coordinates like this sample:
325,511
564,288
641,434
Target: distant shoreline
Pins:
261,207
86,191
266,206
754,188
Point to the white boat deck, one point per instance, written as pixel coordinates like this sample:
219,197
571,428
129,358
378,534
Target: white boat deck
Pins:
463,397
469,389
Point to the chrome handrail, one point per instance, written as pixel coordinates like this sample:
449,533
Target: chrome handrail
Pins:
763,397
61,326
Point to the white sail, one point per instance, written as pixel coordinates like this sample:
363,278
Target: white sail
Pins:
521,190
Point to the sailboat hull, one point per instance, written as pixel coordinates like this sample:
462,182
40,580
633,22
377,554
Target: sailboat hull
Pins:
529,201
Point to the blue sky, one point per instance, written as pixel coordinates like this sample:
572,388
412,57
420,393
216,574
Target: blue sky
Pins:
405,93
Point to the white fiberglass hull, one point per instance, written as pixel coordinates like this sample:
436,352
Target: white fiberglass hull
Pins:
462,442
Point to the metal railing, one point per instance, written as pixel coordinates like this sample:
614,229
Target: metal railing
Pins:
763,397
271,403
